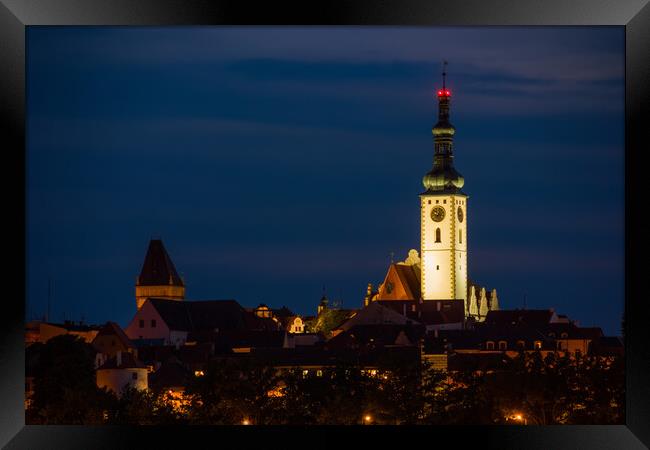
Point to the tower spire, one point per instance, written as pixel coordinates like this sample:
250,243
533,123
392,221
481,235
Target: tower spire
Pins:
443,176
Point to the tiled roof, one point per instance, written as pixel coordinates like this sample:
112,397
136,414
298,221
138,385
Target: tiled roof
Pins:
113,329
409,280
531,317
201,315
158,268
375,313
377,335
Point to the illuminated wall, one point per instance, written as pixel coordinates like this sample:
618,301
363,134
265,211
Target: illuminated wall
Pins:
443,244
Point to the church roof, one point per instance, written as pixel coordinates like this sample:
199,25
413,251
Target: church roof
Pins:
401,283
158,268
206,315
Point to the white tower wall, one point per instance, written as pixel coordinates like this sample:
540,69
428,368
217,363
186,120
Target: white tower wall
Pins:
444,263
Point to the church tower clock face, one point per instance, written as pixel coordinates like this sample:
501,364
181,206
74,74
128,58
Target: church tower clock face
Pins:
438,213
460,214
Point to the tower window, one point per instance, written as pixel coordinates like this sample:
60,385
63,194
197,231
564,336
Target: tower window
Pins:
437,234
460,236
429,201
489,345
437,201
444,201
437,267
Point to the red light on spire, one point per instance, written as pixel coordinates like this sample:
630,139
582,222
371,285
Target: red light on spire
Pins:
444,93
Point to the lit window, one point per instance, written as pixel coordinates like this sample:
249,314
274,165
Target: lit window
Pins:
538,345
198,373
305,373
319,373
437,234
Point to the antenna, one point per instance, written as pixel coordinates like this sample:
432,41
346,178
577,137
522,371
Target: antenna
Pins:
392,254
444,73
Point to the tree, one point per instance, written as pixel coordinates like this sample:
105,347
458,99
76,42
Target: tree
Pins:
65,391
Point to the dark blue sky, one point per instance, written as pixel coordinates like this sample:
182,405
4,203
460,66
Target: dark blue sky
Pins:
275,160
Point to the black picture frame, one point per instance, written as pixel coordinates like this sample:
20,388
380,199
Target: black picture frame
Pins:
16,15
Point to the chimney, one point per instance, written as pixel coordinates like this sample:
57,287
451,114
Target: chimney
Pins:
119,358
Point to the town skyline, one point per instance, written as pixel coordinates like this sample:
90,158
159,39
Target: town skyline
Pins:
306,218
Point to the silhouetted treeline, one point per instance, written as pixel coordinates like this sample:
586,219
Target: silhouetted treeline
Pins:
530,390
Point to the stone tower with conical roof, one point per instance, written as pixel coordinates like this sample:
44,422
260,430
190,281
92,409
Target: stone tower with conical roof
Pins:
443,215
158,277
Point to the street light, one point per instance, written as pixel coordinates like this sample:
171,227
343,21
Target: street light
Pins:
367,419
245,422
518,417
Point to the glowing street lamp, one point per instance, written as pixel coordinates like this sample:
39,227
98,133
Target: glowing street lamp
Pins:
518,417
367,419
245,422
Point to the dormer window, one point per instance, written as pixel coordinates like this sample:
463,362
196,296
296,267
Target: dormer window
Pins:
564,335
503,345
489,345
538,345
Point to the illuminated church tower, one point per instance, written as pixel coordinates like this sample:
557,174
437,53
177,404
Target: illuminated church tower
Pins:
443,216
158,277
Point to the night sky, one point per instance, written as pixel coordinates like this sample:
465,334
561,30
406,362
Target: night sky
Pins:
273,161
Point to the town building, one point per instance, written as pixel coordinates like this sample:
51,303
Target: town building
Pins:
42,331
120,372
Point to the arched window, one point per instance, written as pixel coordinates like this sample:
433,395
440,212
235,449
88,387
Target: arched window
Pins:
503,345
489,345
437,234
460,236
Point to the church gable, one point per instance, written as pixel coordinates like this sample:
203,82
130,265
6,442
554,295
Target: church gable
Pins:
401,283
